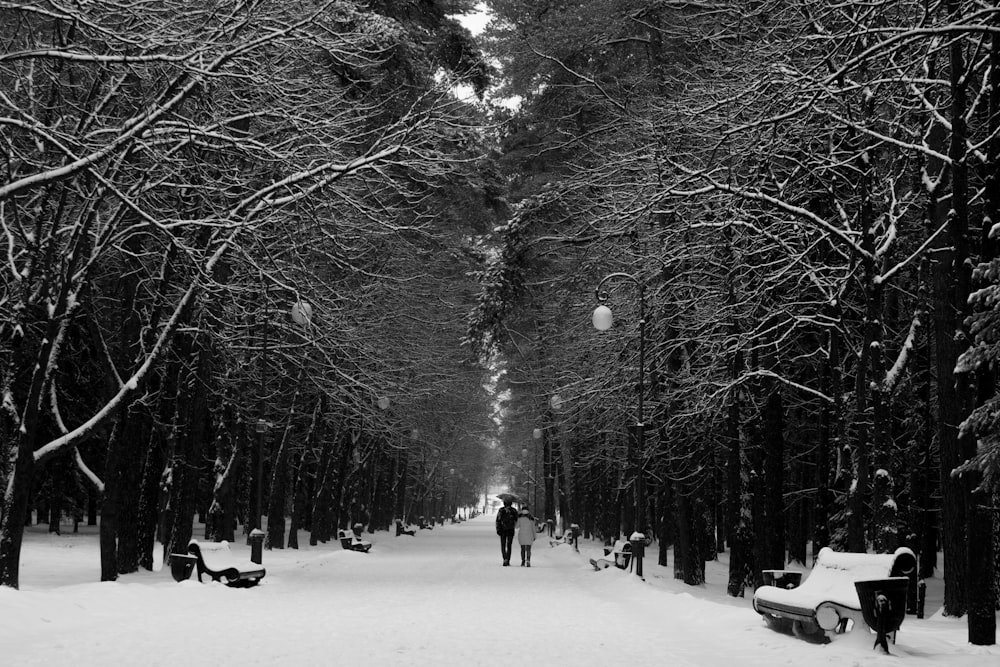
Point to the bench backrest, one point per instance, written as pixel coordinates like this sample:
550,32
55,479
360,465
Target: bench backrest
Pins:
861,566
215,555
834,573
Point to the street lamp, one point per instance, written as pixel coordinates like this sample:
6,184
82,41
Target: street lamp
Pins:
603,319
302,312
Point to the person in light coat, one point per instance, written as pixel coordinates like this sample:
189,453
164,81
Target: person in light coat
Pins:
525,535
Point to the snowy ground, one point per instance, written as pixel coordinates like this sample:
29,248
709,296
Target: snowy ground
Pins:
438,598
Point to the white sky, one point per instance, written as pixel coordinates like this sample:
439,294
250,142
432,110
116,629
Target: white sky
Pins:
475,22
439,598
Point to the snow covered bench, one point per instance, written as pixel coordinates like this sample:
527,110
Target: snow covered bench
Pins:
619,555
217,561
352,542
827,600
571,537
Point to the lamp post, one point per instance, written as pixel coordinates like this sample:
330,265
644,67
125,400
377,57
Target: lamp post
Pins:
603,319
261,429
256,536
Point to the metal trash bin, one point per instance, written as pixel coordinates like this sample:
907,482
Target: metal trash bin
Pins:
182,565
257,545
637,541
883,605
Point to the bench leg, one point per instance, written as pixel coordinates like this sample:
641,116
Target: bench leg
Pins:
810,632
778,623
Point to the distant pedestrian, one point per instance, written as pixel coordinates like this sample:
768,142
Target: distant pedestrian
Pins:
506,524
525,535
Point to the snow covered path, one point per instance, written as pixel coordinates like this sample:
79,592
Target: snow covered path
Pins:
438,598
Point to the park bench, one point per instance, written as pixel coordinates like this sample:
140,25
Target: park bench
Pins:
217,561
619,554
352,542
571,537
404,530
827,602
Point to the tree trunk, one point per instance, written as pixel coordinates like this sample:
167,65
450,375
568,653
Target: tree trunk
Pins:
952,297
192,411
16,509
736,497
56,474
149,498
17,498
774,481
821,511
925,519
666,523
221,520
277,500
322,521
129,479
981,516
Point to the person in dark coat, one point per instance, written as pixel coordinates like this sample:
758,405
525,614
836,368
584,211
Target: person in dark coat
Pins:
506,525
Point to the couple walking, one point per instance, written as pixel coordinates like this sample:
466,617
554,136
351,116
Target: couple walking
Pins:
510,521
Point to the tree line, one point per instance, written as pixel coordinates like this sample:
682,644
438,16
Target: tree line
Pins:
236,243
807,194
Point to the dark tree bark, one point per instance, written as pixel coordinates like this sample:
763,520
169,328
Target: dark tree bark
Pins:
277,502
220,523
130,479
22,474
322,515
798,520
108,531
774,481
297,499
982,516
149,498
187,461
57,469
925,516
952,291
824,458
736,496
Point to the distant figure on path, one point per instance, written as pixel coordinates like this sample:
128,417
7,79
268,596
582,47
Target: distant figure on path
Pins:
506,523
525,535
